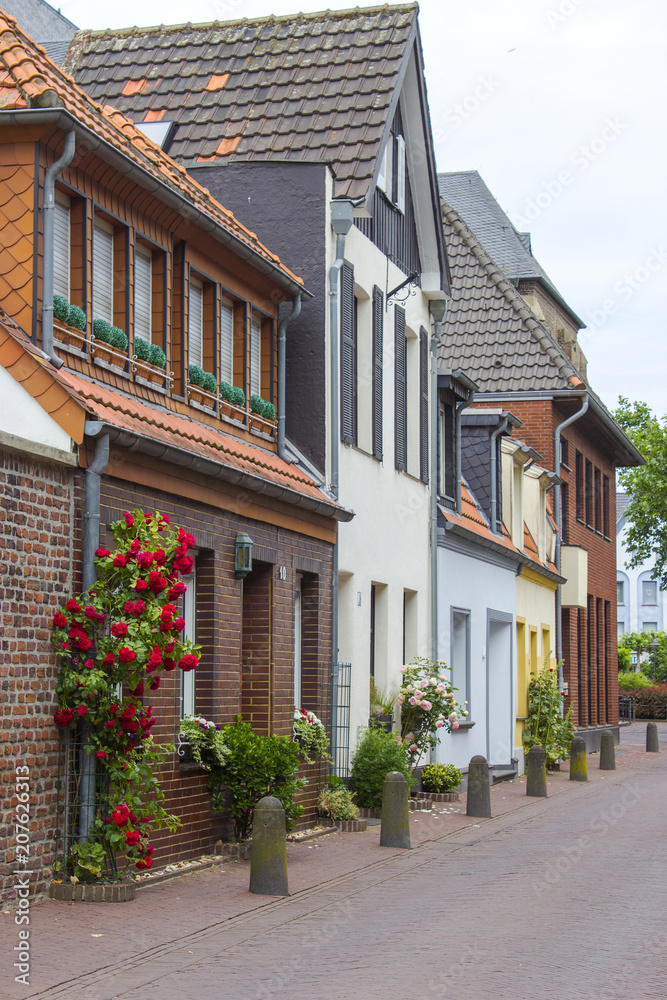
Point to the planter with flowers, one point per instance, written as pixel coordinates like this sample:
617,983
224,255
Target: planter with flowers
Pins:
203,740
232,401
311,736
123,635
426,697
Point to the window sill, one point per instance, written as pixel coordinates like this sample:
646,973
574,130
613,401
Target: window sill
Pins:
113,368
150,385
71,349
463,725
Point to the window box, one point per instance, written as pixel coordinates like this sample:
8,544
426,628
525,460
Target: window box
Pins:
200,396
262,426
151,373
231,411
69,336
108,354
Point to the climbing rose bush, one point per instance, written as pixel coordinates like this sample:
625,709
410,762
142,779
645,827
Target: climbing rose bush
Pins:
123,636
426,698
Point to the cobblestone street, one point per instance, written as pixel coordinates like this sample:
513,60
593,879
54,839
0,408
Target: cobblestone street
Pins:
560,899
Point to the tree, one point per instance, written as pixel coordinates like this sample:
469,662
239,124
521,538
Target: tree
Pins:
646,486
639,643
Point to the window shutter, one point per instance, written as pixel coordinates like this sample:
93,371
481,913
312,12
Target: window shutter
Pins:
102,273
378,334
255,358
423,405
400,393
143,267
400,173
195,323
61,245
227,341
348,357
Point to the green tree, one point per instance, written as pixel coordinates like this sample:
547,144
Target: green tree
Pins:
639,642
646,486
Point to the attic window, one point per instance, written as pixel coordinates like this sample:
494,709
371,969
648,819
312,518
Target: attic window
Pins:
158,132
392,176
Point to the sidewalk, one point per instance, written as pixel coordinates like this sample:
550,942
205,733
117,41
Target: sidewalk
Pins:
71,940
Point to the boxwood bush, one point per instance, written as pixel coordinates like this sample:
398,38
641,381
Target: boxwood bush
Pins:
60,308
152,353
232,394
205,380
262,407
76,317
109,334
377,753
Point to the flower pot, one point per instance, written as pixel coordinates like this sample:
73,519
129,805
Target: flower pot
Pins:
108,354
201,397
69,335
149,372
385,722
230,410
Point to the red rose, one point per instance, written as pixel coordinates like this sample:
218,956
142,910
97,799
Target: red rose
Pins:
110,724
186,539
138,690
134,548
178,589
150,849
126,655
65,645
82,710
129,520
90,612
109,659
188,662
132,837
141,585
101,755
156,582
154,683
169,663
63,717
120,815
145,819
145,560
102,553
148,862
85,644
119,559
113,708
179,624
73,606
183,565
129,712
89,664
59,620
140,864
160,557
119,630
170,647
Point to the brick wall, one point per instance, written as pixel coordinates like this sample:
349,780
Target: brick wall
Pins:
37,528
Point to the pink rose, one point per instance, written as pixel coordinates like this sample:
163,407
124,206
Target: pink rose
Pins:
455,725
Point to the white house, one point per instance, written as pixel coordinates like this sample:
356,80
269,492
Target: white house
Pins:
641,603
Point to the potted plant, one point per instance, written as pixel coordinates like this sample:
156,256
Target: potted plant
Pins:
440,782
232,401
109,343
382,702
204,740
150,359
309,732
69,323
263,414
202,387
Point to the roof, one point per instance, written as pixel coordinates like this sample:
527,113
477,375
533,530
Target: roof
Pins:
43,23
304,86
30,80
468,194
488,330
71,399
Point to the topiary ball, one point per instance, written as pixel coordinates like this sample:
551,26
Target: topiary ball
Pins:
196,375
237,396
76,317
60,308
158,357
142,349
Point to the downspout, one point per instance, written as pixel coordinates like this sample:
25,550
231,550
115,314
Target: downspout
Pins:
457,433
437,309
49,228
501,429
557,509
282,348
91,541
342,218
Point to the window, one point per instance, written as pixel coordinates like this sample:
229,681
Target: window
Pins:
297,639
564,452
377,361
423,405
460,654
143,293
650,627
392,176
620,628
61,246
579,485
348,356
589,494
400,390
447,486
605,506
103,271
196,323
399,179
227,341
255,359
649,592
598,500
190,632
620,592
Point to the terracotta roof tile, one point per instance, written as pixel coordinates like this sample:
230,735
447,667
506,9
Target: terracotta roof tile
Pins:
37,81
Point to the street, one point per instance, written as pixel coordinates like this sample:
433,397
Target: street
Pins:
553,898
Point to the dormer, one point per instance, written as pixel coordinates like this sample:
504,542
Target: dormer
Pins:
517,459
482,434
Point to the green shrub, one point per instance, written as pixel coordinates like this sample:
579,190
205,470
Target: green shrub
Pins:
256,766
262,407
76,317
651,702
545,726
232,394
629,681
210,383
158,357
142,349
440,778
60,308
109,334
376,755
205,380
337,803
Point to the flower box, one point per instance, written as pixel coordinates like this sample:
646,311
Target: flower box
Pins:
200,396
69,336
232,411
108,354
261,425
149,372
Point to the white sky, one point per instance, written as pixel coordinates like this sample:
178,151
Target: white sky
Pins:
560,106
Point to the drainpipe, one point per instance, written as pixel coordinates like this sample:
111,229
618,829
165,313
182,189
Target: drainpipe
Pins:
501,429
437,309
282,347
457,433
557,510
91,541
342,219
49,212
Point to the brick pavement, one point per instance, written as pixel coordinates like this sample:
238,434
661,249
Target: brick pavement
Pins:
553,898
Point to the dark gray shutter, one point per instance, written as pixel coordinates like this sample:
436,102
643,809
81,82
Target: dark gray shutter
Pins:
378,333
400,392
423,405
348,357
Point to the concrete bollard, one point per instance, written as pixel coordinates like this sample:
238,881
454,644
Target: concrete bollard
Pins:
479,794
536,772
652,738
607,751
268,858
578,761
395,822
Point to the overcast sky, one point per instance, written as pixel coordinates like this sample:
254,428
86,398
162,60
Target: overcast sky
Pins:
560,105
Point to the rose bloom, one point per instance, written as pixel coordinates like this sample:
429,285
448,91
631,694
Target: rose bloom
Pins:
90,612
129,520
439,724
145,560
126,655
413,701
119,559
413,748
82,710
101,755
426,705
178,589
132,837
154,683
109,725
455,725
188,662
89,664
59,620
73,606
141,585
119,630
102,553
63,717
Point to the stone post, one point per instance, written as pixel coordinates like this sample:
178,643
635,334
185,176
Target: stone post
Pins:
607,751
479,794
395,822
536,772
652,738
268,858
578,762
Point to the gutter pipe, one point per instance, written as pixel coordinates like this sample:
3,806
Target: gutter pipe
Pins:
437,309
559,515
49,227
501,429
282,348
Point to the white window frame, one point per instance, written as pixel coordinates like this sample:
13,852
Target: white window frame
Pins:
654,602
143,293
384,176
103,240
460,653
62,236
400,173
298,633
227,341
620,592
187,697
255,359
196,322
649,627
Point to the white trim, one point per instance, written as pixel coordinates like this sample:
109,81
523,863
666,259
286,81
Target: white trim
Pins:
400,173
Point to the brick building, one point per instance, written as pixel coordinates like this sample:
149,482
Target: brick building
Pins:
510,331
93,211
